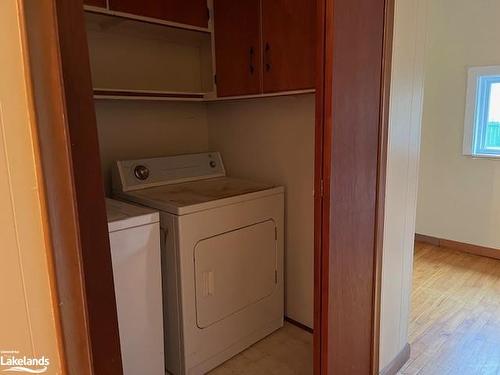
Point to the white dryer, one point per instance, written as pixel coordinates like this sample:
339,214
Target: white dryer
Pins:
222,255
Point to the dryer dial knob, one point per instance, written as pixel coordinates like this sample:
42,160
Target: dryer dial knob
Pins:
141,172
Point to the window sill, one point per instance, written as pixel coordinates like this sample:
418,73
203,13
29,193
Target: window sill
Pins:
480,157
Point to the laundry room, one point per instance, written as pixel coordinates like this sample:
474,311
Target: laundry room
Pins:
206,114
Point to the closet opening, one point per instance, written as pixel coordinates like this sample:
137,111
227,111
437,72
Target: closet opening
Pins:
216,189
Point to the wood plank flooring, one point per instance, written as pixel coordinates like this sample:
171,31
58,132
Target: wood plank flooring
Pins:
455,317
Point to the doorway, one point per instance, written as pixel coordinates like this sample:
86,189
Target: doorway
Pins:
362,174
448,308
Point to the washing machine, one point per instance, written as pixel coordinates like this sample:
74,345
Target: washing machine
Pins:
134,234
222,255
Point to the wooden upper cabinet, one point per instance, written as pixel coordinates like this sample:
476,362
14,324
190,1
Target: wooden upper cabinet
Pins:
189,12
289,43
238,50
146,8
96,3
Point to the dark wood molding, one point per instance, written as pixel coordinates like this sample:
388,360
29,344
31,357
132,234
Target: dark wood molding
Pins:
397,363
351,139
147,94
299,325
55,43
460,246
324,58
427,239
40,42
381,176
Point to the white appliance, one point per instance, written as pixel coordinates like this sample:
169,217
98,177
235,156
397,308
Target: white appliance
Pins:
222,255
134,234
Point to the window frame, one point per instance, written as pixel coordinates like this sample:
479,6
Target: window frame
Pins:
480,80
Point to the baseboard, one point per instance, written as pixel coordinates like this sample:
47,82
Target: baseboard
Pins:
298,324
398,362
460,246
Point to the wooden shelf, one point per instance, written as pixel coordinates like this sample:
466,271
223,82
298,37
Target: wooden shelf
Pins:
118,94
128,16
260,96
151,95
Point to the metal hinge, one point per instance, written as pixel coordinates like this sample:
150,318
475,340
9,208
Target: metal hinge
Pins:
215,78
208,13
276,276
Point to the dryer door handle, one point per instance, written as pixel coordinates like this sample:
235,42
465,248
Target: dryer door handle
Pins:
208,283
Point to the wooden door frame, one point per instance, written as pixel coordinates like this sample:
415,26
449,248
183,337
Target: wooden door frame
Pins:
61,97
54,41
327,360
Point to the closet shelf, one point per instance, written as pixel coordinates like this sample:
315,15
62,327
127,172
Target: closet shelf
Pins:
151,95
154,21
119,94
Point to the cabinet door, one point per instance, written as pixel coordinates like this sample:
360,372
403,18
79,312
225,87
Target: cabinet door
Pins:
146,8
189,12
96,3
289,28
238,47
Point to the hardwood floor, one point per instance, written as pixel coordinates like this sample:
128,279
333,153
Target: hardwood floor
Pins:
455,317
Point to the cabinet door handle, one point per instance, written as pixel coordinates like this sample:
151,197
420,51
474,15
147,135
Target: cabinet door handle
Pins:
252,65
268,57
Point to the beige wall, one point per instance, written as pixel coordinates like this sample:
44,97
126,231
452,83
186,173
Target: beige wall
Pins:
272,140
135,55
27,321
459,197
402,175
142,129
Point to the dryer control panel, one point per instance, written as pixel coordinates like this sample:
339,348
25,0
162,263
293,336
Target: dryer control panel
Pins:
129,175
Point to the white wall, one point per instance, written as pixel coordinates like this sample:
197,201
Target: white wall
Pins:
272,140
142,129
459,197
28,315
136,55
402,175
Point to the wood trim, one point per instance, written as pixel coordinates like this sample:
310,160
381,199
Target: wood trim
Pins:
397,363
427,239
460,246
351,140
47,97
147,94
324,59
259,96
55,42
299,325
381,177
112,94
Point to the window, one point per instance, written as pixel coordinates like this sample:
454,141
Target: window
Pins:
482,117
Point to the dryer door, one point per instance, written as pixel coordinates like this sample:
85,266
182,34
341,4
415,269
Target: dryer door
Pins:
234,270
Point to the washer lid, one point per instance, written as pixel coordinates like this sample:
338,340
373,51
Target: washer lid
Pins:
189,197
123,215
